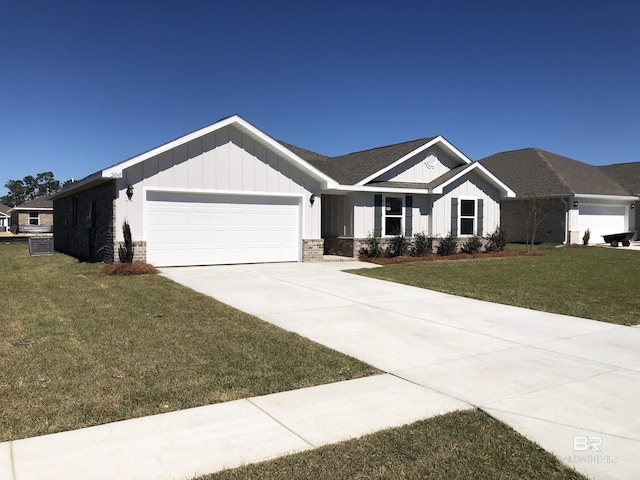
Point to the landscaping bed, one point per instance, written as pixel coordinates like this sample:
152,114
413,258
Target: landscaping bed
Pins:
456,256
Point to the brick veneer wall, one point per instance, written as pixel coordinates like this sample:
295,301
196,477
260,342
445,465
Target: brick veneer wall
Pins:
513,219
77,234
312,250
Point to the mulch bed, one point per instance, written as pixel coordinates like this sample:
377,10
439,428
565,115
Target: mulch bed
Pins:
458,256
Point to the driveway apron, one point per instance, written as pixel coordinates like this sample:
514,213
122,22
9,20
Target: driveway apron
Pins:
570,384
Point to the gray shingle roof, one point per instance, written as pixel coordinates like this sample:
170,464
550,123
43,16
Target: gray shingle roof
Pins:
4,209
352,168
626,174
39,202
535,172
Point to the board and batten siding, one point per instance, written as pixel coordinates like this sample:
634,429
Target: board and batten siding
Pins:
337,218
470,186
416,170
364,214
226,160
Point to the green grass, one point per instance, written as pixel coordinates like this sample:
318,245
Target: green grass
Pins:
589,282
110,348
459,446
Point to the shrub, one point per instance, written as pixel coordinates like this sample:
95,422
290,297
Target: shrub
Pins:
496,241
586,237
473,245
134,268
126,251
448,245
422,245
397,247
373,248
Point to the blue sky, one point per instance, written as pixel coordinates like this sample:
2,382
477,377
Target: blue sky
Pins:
86,84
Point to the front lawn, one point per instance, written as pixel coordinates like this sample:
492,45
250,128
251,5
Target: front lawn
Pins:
78,348
457,446
589,282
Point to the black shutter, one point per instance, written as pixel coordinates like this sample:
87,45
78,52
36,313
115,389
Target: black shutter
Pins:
408,216
480,230
377,220
454,217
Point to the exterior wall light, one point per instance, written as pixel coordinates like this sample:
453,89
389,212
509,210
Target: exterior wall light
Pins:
130,192
575,204
312,199
633,205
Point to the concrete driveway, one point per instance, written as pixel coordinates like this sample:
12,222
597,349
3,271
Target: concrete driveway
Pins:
570,384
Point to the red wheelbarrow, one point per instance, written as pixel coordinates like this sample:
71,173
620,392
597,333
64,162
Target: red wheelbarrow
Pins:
616,238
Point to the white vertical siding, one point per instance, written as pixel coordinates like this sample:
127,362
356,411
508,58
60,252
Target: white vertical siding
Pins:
470,185
415,169
226,160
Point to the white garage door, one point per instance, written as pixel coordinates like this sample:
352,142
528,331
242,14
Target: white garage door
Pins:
602,220
211,229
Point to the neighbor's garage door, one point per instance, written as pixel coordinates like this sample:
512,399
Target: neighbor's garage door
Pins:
602,220
211,229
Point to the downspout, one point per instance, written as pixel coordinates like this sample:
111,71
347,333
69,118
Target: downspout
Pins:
566,221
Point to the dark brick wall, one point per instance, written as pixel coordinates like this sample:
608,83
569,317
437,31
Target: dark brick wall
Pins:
513,218
83,224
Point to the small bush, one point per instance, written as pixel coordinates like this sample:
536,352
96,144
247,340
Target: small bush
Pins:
586,237
126,250
422,245
134,268
397,247
496,241
473,245
448,245
373,248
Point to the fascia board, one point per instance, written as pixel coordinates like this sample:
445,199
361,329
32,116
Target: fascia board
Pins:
30,209
358,188
619,198
90,180
437,140
505,190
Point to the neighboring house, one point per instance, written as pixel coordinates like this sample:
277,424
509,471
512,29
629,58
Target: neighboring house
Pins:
34,216
569,195
229,193
5,218
627,175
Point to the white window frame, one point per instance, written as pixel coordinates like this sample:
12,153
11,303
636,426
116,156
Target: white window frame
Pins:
400,216
474,217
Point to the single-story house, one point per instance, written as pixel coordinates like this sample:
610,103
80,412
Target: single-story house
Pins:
34,216
568,196
5,218
230,193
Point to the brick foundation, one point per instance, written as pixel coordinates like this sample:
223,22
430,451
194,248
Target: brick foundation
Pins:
312,250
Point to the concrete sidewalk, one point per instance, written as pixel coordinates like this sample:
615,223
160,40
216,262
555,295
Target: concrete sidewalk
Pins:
570,384
202,440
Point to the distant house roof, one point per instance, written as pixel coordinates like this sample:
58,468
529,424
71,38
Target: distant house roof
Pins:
626,174
535,172
4,210
39,203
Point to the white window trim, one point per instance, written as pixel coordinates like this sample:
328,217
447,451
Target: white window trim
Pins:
384,215
475,216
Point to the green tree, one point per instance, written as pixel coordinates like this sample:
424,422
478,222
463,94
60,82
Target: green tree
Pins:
30,187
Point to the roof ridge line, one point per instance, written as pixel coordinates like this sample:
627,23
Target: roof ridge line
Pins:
552,168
